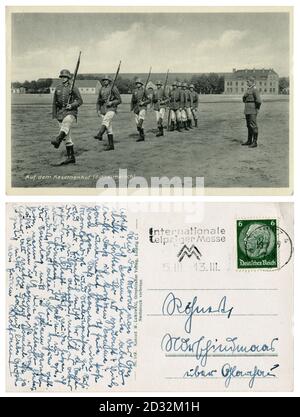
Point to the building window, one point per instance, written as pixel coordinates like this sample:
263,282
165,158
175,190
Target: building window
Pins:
237,83
243,83
265,90
242,90
265,84
270,90
260,83
271,83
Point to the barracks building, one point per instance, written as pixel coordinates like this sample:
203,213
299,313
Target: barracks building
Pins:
84,86
267,81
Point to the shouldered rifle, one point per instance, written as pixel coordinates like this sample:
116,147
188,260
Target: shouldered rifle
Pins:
114,82
74,78
148,78
166,82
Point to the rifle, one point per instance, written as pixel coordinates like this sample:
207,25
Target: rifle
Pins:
74,78
166,81
114,82
148,78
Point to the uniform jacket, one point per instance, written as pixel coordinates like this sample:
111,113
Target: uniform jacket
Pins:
182,99
160,99
174,99
188,98
194,99
139,96
60,101
105,95
252,101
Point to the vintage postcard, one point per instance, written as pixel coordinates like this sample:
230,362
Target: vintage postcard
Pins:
150,99
149,298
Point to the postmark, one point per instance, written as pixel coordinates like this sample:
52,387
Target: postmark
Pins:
257,244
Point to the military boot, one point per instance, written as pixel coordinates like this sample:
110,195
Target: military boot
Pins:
249,141
185,126
70,156
160,130
196,123
58,140
178,128
254,143
100,133
110,145
141,131
190,124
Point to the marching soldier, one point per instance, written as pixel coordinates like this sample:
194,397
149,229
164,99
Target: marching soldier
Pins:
107,103
174,105
194,103
139,102
188,106
160,101
252,101
183,115
65,110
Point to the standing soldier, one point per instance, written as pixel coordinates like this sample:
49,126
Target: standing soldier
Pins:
160,101
174,104
183,115
108,100
139,102
65,110
188,106
252,101
194,103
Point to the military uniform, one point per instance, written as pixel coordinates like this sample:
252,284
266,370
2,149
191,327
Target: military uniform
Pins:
194,103
65,110
160,101
188,116
174,105
107,103
182,108
139,101
252,101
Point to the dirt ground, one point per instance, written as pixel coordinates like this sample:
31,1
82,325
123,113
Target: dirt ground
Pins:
213,150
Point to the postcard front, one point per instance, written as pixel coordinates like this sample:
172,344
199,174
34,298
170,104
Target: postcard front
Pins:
150,95
111,298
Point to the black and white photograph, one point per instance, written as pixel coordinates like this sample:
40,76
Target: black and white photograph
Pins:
147,96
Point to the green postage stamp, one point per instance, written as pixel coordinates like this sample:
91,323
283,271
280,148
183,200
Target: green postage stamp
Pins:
257,244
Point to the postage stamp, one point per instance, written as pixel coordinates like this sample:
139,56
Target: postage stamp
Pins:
257,244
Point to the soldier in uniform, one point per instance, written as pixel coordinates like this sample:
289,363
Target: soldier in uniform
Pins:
106,106
252,101
174,104
182,109
194,103
188,106
65,110
160,101
139,102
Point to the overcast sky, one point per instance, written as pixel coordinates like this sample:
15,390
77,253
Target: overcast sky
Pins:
44,43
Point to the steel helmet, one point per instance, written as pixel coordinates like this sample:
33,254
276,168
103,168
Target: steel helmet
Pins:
139,81
106,77
65,73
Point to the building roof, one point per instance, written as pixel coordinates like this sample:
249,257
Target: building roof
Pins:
78,83
256,73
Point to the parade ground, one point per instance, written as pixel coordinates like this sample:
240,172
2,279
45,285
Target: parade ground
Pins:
213,150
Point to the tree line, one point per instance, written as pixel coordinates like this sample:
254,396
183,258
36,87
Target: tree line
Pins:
204,84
